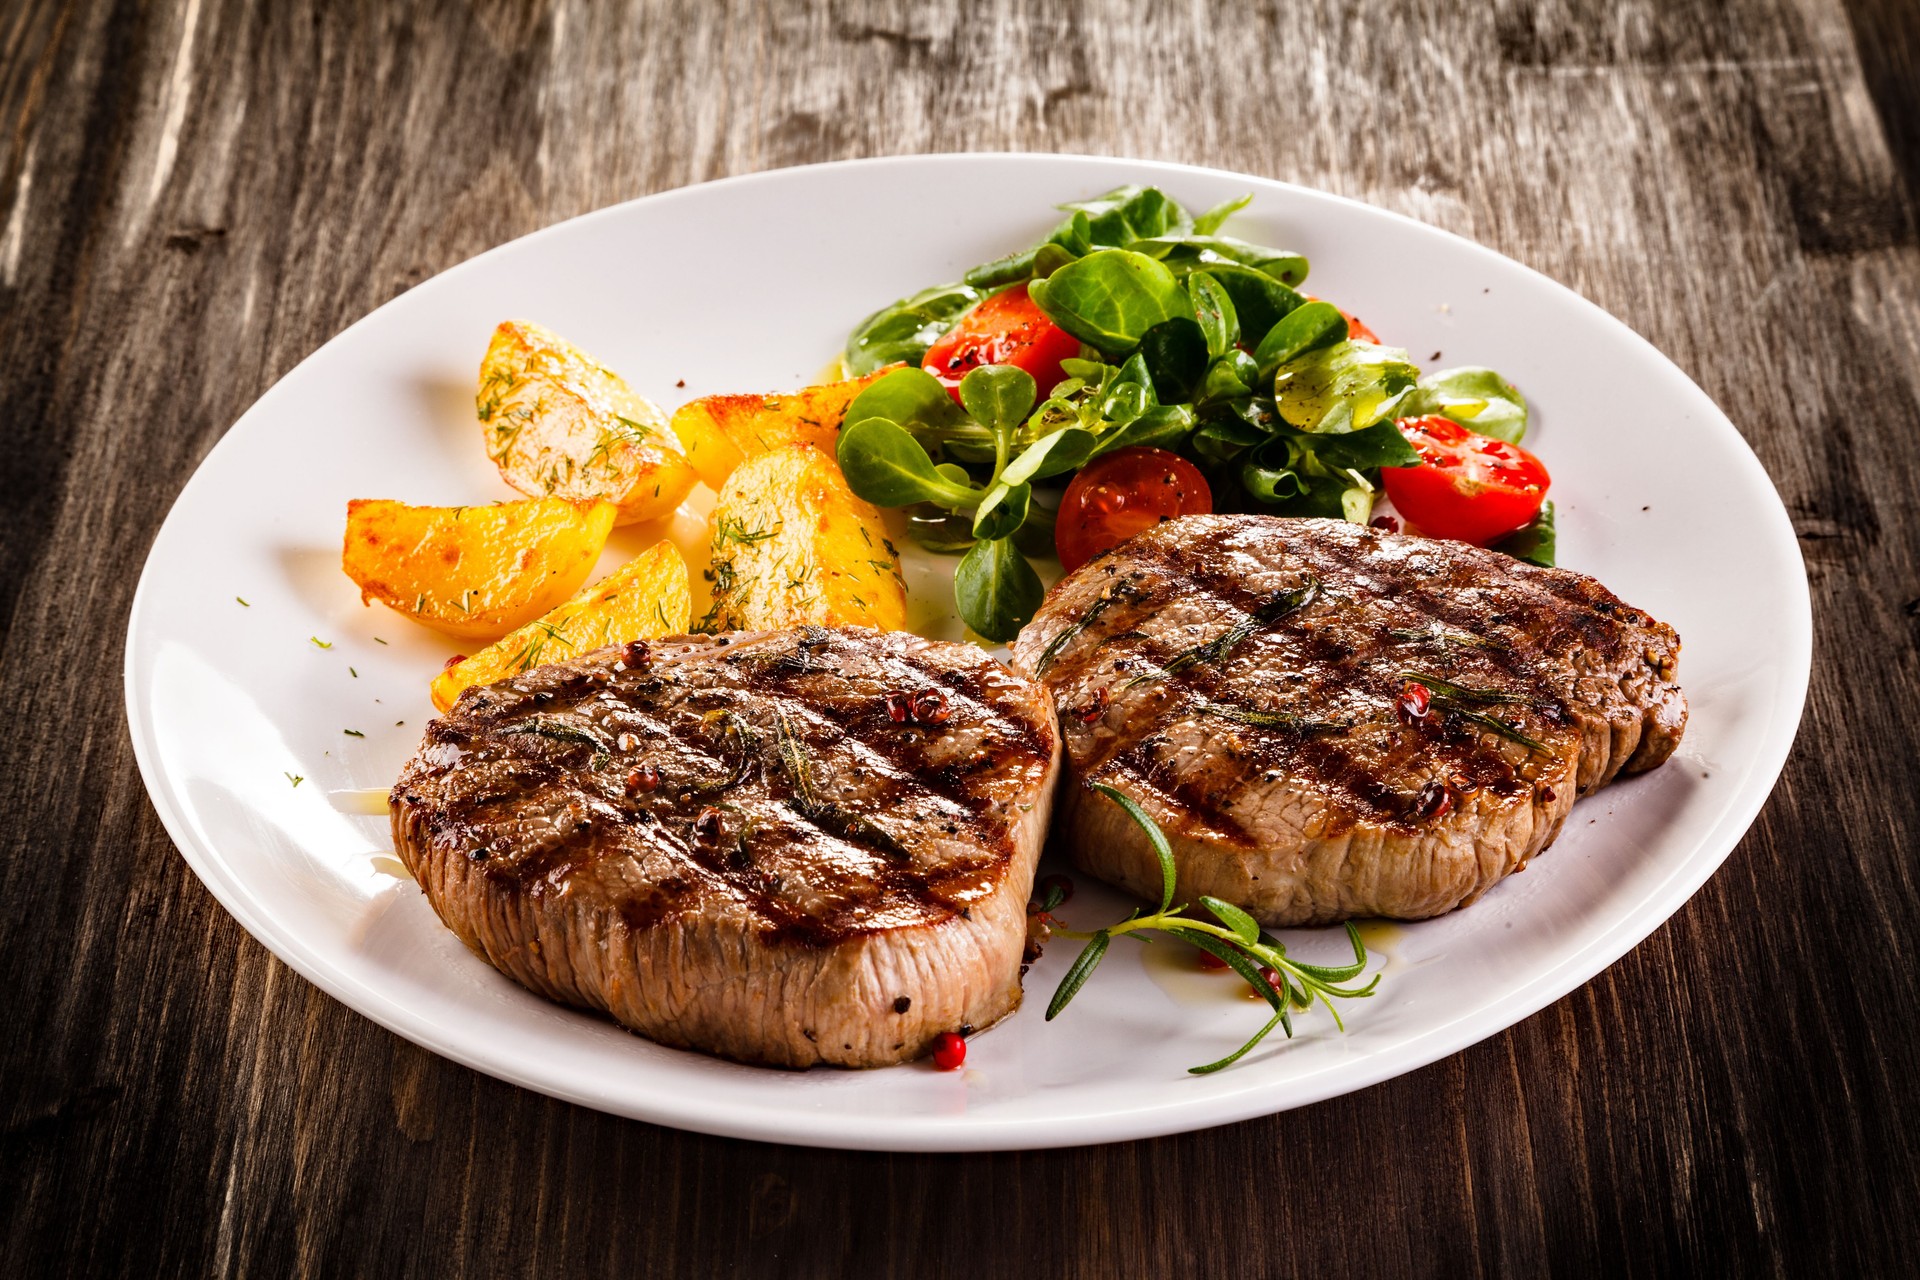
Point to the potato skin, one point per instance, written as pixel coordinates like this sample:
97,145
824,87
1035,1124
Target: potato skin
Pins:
559,424
644,599
473,572
718,433
793,545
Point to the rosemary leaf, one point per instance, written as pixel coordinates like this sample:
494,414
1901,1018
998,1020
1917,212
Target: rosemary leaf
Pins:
1337,973
1460,693
1234,959
1266,719
1067,633
1276,607
1501,727
1155,837
1237,941
1454,699
825,814
558,731
1077,976
1277,1020
1244,926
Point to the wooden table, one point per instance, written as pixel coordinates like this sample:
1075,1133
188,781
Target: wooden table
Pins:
195,194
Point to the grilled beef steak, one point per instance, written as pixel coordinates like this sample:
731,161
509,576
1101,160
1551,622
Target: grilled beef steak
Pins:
784,847
1333,722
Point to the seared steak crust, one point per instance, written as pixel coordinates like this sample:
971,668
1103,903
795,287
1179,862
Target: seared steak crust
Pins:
1247,679
740,843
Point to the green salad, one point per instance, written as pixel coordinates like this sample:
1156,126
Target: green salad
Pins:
1155,366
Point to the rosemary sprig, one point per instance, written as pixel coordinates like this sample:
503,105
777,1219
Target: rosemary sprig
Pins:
825,814
1276,607
1497,726
1236,939
1266,719
1455,699
558,730
733,728
1087,619
1460,693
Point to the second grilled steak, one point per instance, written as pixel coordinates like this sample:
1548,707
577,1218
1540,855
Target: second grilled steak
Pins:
788,848
1332,722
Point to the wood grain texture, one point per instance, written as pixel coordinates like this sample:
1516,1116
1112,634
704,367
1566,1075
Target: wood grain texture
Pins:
195,194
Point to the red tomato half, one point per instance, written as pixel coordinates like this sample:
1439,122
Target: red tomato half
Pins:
1473,488
1004,328
1355,329
1124,493
1358,331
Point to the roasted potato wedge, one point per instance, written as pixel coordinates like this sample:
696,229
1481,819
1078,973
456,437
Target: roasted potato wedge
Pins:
557,424
473,572
646,598
792,545
718,432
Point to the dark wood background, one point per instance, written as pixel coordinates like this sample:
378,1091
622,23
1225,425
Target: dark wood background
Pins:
194,194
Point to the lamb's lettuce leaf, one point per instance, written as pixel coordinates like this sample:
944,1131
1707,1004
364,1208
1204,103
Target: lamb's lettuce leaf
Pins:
1111,297
1478,399
1534,542
904,330
1348,386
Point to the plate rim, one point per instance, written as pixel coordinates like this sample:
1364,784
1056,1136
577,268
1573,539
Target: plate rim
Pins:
930,1133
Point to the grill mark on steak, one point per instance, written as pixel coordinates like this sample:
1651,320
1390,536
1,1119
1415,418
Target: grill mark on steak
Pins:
890,755
1331,667
1426,602
1285,769
802,863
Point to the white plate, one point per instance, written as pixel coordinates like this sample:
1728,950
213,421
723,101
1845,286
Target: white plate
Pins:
750,284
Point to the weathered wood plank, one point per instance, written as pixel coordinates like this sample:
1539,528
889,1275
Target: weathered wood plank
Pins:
194,194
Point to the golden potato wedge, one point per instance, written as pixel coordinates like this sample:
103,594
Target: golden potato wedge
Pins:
717,432
646,598
793,545
473,572
557,424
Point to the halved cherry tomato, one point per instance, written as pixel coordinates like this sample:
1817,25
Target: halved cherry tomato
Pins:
1473,488
1124,493
1004,328
1355,329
